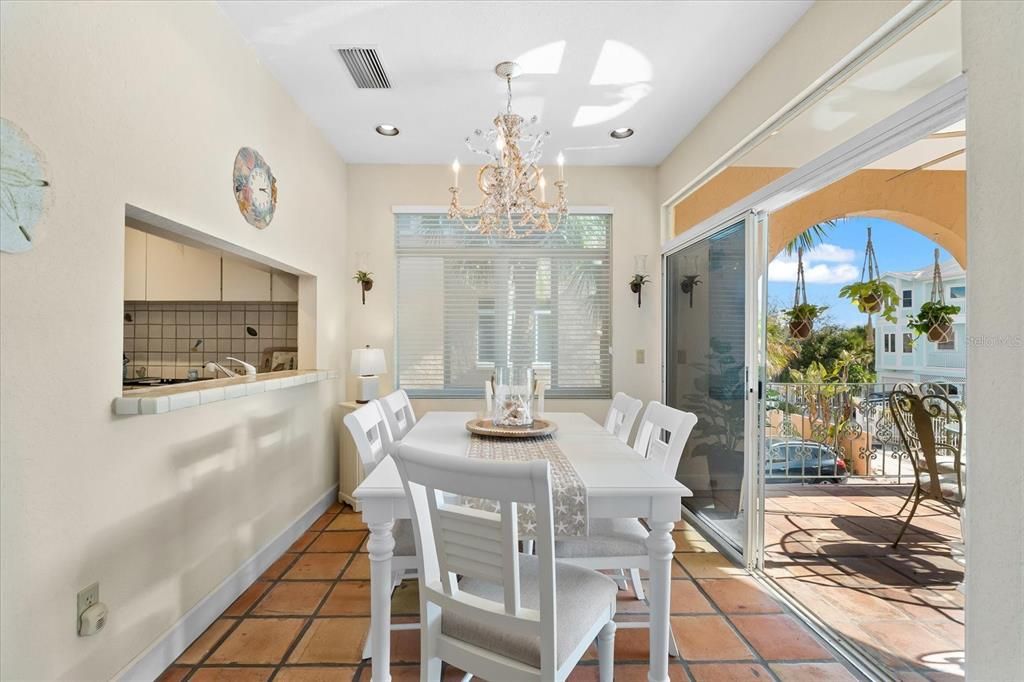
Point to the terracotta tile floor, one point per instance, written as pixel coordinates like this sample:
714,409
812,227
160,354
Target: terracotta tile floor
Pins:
829,547
306,618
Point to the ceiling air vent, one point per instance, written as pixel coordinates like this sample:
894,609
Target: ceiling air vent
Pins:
364,65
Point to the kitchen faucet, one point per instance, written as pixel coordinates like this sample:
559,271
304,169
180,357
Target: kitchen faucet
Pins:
250,371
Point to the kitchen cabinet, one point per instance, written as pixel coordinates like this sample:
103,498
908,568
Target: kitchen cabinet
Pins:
241,281
134,265
284,287
178,272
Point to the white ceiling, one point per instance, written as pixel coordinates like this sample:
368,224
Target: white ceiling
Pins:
657,67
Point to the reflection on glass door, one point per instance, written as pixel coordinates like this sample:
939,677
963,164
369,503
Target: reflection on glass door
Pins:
705,361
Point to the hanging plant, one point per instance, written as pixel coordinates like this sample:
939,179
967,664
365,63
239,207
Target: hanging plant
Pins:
802,315
871,294
874,296
935,319
365,280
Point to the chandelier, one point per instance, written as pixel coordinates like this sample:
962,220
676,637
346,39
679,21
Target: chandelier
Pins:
512,184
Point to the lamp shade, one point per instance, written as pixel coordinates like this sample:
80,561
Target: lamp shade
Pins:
367,361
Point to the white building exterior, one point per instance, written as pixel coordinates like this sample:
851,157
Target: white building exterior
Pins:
898,356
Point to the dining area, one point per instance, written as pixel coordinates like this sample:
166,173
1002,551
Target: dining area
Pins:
514,526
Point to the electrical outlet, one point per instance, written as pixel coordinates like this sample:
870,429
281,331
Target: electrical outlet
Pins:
86,598
641,356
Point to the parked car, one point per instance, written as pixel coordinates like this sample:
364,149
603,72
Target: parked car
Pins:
803,461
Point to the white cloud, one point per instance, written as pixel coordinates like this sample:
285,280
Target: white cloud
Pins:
824,264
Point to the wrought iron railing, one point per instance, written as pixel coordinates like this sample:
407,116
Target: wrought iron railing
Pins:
835,432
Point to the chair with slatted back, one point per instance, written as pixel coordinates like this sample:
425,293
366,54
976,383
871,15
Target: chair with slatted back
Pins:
373,442
511,616
622,415
398,413
622,543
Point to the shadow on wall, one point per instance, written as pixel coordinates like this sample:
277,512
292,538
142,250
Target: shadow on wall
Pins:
206,530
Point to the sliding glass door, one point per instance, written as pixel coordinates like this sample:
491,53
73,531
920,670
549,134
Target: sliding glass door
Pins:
712,303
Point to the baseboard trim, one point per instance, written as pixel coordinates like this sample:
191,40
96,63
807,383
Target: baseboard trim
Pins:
152,662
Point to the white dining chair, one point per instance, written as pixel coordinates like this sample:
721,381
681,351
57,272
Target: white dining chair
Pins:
621,544
622,415
511,616
372,438
398,413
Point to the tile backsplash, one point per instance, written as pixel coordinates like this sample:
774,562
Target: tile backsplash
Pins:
167,339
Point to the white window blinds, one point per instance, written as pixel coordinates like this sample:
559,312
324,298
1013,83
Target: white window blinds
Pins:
468,303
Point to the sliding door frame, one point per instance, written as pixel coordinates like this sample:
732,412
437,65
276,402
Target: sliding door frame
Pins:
941,108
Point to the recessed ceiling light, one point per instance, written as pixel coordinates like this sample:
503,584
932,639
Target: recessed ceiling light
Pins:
387,130
621,133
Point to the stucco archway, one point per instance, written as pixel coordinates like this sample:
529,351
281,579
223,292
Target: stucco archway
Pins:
932,203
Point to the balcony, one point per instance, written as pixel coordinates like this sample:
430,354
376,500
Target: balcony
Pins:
829,545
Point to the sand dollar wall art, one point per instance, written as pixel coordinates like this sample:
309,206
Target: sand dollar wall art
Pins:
23,188
255,188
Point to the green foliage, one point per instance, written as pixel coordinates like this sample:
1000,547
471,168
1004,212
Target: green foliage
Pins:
804,311
640,280
932,313
812,236
861,294
363,276
832,354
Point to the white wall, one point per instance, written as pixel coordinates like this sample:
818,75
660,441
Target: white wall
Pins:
629,191
821,39
147,104
993,39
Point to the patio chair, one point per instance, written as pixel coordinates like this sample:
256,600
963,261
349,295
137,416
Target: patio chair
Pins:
914,416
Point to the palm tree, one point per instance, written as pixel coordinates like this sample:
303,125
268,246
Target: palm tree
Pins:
812,236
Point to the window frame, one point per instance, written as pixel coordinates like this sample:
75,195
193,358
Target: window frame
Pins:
907,298
605,359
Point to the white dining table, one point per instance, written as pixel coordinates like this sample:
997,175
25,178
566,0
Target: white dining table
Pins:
619,482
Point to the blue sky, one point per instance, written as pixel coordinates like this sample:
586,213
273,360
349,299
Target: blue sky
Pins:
838,262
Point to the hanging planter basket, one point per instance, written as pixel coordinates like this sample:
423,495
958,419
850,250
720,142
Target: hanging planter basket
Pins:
935,319
872,302
802,314
872,294
941,332
801,329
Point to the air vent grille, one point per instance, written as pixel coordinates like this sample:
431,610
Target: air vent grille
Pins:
364,65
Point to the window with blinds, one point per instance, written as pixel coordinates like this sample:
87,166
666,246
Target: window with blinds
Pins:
468,303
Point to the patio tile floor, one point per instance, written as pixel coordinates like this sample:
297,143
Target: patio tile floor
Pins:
829,546
306,618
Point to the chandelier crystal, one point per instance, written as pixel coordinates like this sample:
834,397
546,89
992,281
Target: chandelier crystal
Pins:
513,185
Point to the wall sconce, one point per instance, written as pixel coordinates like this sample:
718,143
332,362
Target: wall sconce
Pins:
688,284
363,277
640,277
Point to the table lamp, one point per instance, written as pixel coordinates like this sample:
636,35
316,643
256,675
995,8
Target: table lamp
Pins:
367,363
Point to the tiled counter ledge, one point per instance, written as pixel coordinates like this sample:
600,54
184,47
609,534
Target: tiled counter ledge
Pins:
160,399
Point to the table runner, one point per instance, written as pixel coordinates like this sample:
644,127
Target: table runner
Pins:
568,494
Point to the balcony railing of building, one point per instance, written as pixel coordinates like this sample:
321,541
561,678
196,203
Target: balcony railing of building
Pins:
830,433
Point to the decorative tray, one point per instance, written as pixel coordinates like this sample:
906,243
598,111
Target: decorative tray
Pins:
484,426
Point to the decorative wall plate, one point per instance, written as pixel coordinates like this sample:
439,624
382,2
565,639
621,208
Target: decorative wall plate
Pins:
23,188
255,188
484,426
